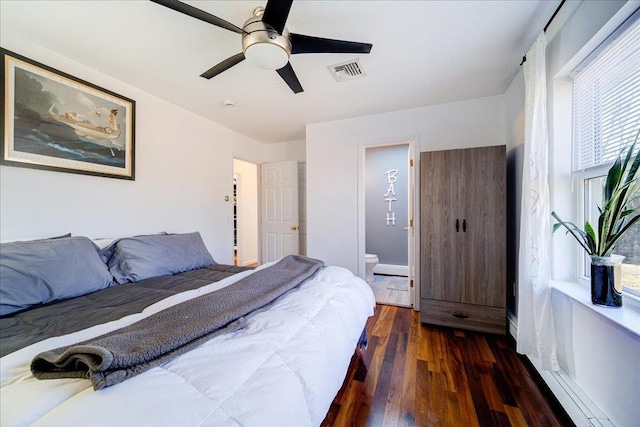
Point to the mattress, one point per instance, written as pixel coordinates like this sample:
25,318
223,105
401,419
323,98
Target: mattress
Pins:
283,368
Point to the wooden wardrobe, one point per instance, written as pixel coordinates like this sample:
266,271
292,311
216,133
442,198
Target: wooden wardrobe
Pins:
463,238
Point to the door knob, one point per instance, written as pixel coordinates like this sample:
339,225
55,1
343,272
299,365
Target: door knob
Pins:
294,227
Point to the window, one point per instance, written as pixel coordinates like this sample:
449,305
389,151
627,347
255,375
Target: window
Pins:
606,119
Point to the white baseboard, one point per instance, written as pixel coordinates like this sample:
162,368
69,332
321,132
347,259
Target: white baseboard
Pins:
579,407
392,270
251,262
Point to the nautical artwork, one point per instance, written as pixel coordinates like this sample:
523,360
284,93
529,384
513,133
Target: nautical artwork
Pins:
54,121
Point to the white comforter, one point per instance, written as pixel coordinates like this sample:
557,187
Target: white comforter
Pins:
283,369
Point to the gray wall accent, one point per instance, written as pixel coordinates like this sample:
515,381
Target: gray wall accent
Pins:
514,195
389,242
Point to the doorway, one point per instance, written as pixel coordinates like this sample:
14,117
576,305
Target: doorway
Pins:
386,221
245,213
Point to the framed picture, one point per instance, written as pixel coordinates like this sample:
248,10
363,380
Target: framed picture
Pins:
54,121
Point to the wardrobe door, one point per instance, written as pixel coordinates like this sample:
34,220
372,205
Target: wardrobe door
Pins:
483,217
440,256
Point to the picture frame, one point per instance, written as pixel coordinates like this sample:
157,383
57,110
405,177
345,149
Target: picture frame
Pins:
54,121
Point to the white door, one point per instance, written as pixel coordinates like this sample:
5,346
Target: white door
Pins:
279,210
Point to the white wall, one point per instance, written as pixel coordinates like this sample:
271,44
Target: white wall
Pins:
183,173
332,158
601,358
514,112
292,150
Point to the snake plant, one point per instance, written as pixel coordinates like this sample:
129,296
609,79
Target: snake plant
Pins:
621,186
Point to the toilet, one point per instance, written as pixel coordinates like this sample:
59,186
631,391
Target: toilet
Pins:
370,261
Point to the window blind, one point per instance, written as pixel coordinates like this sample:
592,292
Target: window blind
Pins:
606,98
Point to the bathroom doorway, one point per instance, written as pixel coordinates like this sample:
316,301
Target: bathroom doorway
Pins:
387,218
245,213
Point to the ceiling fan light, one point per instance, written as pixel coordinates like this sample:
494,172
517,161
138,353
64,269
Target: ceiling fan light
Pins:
267,56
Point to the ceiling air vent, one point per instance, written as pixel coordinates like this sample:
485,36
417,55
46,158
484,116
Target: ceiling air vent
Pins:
347,70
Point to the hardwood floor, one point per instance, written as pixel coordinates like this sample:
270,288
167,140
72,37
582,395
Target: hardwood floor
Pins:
423,375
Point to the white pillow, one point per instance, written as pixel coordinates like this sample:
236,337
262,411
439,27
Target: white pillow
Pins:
103,242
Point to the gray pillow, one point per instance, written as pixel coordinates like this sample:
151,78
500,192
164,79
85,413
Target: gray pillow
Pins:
41,271
135,258
36,239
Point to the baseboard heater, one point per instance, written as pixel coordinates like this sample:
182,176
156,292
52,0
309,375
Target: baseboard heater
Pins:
579,407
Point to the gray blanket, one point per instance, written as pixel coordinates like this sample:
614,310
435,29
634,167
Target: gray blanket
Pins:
127,352
21,329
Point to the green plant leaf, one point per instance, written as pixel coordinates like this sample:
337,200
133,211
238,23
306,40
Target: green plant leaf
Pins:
603,227
592,240
622,218
627,213
613,180
619,193
611,222
632,174
578,234
610,246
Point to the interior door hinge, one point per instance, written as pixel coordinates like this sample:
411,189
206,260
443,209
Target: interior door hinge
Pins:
411,283
411,223
411,162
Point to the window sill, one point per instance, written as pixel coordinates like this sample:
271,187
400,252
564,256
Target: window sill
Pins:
627,317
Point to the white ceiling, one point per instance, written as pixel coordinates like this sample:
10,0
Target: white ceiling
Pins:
424,53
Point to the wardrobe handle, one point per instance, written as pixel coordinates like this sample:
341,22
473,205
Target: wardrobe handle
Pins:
457,225
464,225
459,315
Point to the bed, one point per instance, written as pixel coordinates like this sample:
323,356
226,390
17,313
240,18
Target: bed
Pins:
281,363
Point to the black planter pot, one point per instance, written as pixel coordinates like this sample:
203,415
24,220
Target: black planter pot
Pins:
606,282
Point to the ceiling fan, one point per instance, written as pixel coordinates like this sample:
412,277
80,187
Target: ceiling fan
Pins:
266,42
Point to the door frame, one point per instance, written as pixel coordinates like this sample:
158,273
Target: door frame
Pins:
258,164
414,210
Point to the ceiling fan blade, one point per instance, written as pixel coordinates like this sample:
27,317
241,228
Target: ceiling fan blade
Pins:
276,13
309,44
223,66
289,76
194,12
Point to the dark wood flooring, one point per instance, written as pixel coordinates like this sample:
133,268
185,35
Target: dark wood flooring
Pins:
422,375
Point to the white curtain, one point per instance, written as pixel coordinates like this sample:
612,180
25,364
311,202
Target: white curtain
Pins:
536,333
